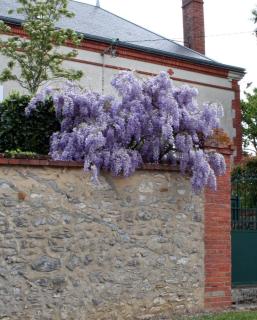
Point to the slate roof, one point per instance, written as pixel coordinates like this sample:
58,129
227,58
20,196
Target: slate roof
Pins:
102,25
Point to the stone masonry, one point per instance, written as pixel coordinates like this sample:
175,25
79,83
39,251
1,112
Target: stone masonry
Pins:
126,248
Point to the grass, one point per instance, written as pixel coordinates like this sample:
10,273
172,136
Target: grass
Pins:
249,315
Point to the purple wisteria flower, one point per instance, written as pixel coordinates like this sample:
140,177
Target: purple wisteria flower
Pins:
40,97
152,121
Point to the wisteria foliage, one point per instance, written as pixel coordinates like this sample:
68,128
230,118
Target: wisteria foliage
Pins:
152,121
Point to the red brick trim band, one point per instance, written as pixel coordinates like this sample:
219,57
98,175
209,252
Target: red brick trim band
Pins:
109,66
218,243
134,54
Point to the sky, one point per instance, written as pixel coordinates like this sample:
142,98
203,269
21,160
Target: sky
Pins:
228,27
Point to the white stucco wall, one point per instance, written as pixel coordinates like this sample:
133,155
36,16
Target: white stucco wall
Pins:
98,78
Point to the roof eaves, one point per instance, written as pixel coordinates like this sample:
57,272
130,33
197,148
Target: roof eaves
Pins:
11,20
210,63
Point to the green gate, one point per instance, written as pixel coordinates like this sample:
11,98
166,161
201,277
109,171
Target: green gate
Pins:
244,230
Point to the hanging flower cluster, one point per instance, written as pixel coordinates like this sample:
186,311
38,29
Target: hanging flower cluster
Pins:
153,121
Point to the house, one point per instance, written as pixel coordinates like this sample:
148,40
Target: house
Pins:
112,43
143,244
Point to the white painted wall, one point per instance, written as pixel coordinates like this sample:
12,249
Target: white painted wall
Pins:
98,78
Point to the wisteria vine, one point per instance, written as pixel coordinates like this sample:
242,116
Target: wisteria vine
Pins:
152,121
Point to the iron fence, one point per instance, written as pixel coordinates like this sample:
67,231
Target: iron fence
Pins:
244,203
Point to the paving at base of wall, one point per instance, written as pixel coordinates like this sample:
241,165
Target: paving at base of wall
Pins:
244,296
127,248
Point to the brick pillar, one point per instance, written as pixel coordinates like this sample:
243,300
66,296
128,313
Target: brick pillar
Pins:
193,25
237,122
217,239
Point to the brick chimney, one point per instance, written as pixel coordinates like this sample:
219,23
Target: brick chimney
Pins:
193,24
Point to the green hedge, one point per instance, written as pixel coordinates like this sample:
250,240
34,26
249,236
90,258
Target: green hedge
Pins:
30,134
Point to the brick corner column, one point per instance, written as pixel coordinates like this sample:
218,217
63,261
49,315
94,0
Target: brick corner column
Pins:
217,240
236,106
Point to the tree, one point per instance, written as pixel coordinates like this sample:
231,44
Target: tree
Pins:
249,118
152,122
38,54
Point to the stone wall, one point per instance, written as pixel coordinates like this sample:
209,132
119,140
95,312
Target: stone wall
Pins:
124,249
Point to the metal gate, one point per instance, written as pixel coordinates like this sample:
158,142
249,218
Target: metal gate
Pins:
244,230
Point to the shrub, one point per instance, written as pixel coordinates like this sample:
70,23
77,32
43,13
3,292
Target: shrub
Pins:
26,133
152,122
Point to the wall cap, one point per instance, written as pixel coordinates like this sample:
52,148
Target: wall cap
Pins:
220,142
46,161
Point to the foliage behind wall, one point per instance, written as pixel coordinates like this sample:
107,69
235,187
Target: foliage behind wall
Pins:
26,133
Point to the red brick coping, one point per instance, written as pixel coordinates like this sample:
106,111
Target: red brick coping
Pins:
44,161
